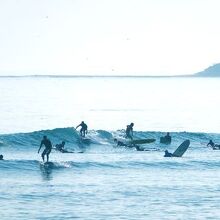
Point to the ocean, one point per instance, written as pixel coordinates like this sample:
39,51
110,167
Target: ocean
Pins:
100,180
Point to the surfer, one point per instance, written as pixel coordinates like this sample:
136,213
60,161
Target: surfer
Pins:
166,139
129,131
83,130
1,157
168,154
60,147
120,143
213,145
48,146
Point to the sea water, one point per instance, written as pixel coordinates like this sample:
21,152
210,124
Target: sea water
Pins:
105,181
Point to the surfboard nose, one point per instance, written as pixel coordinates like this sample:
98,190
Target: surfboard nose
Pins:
187,142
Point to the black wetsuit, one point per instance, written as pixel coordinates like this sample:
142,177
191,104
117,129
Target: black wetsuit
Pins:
168,154
48,147
83,129
129,131
120,143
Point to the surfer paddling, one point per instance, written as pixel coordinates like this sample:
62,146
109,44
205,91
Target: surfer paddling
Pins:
48,146
129,145
213,145
60,147
168,154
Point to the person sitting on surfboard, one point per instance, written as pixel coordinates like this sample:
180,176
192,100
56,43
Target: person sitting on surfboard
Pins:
60,147
48,146
83,130
166,139
129,131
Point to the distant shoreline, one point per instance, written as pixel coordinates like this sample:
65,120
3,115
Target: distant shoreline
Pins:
211,72
95,76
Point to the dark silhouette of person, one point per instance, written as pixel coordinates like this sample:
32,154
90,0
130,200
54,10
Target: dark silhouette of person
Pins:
166,139
60,147
48,146
129,131
1,157
83,130
213,145
122,144
168,154
119,143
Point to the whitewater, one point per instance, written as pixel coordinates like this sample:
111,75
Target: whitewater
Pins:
101,180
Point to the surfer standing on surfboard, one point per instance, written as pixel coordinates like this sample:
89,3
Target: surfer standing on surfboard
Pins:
48,147
129,131
83,130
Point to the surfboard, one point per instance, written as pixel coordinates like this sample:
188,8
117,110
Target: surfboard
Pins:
142,141
181,149
48,164
86,141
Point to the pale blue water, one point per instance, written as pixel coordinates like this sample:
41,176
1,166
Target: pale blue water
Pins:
106,182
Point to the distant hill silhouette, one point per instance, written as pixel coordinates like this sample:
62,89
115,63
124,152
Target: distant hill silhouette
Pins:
212,71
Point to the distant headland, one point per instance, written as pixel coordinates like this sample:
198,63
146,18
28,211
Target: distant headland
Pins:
212,71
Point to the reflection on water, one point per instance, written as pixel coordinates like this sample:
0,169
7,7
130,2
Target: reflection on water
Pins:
46,172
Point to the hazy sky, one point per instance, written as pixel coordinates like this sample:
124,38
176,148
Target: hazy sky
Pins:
151,37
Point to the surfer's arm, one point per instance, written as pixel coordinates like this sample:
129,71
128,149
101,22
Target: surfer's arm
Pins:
40,147
78,126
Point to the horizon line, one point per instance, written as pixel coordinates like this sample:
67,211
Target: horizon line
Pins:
95,76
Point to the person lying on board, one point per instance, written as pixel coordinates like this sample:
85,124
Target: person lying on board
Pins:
122,144
119,143
213,145
168,154
60,147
